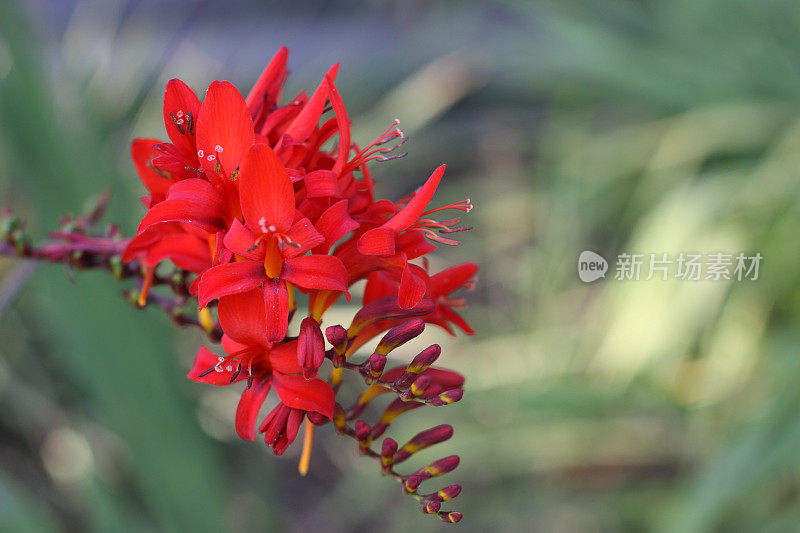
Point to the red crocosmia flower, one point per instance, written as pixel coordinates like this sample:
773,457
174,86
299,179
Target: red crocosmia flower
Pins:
252,356
440,287
271,244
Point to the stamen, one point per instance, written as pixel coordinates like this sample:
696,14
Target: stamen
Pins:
308,444
149,275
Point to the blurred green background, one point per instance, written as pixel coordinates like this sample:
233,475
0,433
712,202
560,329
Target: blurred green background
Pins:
613,126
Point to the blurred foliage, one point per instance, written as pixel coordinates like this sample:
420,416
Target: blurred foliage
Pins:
651,126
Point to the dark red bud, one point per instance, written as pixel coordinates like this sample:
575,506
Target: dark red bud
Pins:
388,451
364,436
445,398
336,335
423,440
425,359
373,367
400,335
417,388
431,507
384,309
451,518
310,347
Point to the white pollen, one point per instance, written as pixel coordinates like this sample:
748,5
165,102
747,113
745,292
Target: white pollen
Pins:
179,121
211,157
218,148
229,368
220,359
179,114
272,227
262,223
200,153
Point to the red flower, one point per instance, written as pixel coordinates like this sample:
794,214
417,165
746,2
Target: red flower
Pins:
253,356
271,244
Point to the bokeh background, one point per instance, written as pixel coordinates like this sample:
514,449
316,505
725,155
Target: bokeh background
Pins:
621,125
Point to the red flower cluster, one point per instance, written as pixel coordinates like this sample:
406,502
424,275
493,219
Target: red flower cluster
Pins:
246,196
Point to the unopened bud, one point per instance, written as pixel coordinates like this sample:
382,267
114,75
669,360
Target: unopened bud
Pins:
441,466
384,309
431,507
388,451
399,335
423,440
425,359
449,492
451,518
372,369
445,398
411,483
310,347
364,436
417,388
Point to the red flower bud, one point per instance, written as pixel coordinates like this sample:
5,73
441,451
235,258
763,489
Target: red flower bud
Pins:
388,451
281,426
384,309
423,440
336,335
372,369
451,518
310,347
424,359
399,335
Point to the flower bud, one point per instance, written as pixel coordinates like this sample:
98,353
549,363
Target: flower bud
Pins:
372,369
451,518
417,388
384,309
449,492
423,440
441,466
424,359
336,335
310,347
399,335
388,451
364,436
281,426
431,506
445,398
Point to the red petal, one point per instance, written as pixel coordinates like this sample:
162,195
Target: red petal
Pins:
265,92
412,287
205,360
334,224
242,318
283,358
185,250
308,395
179,101
276,301
225,122
304,234
230,278
379,284
377,241
266,190
322,184
143,153
239,240
193,201
316,272
343,124
448,314
452,278
302,126
247,410
414,208
414,244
